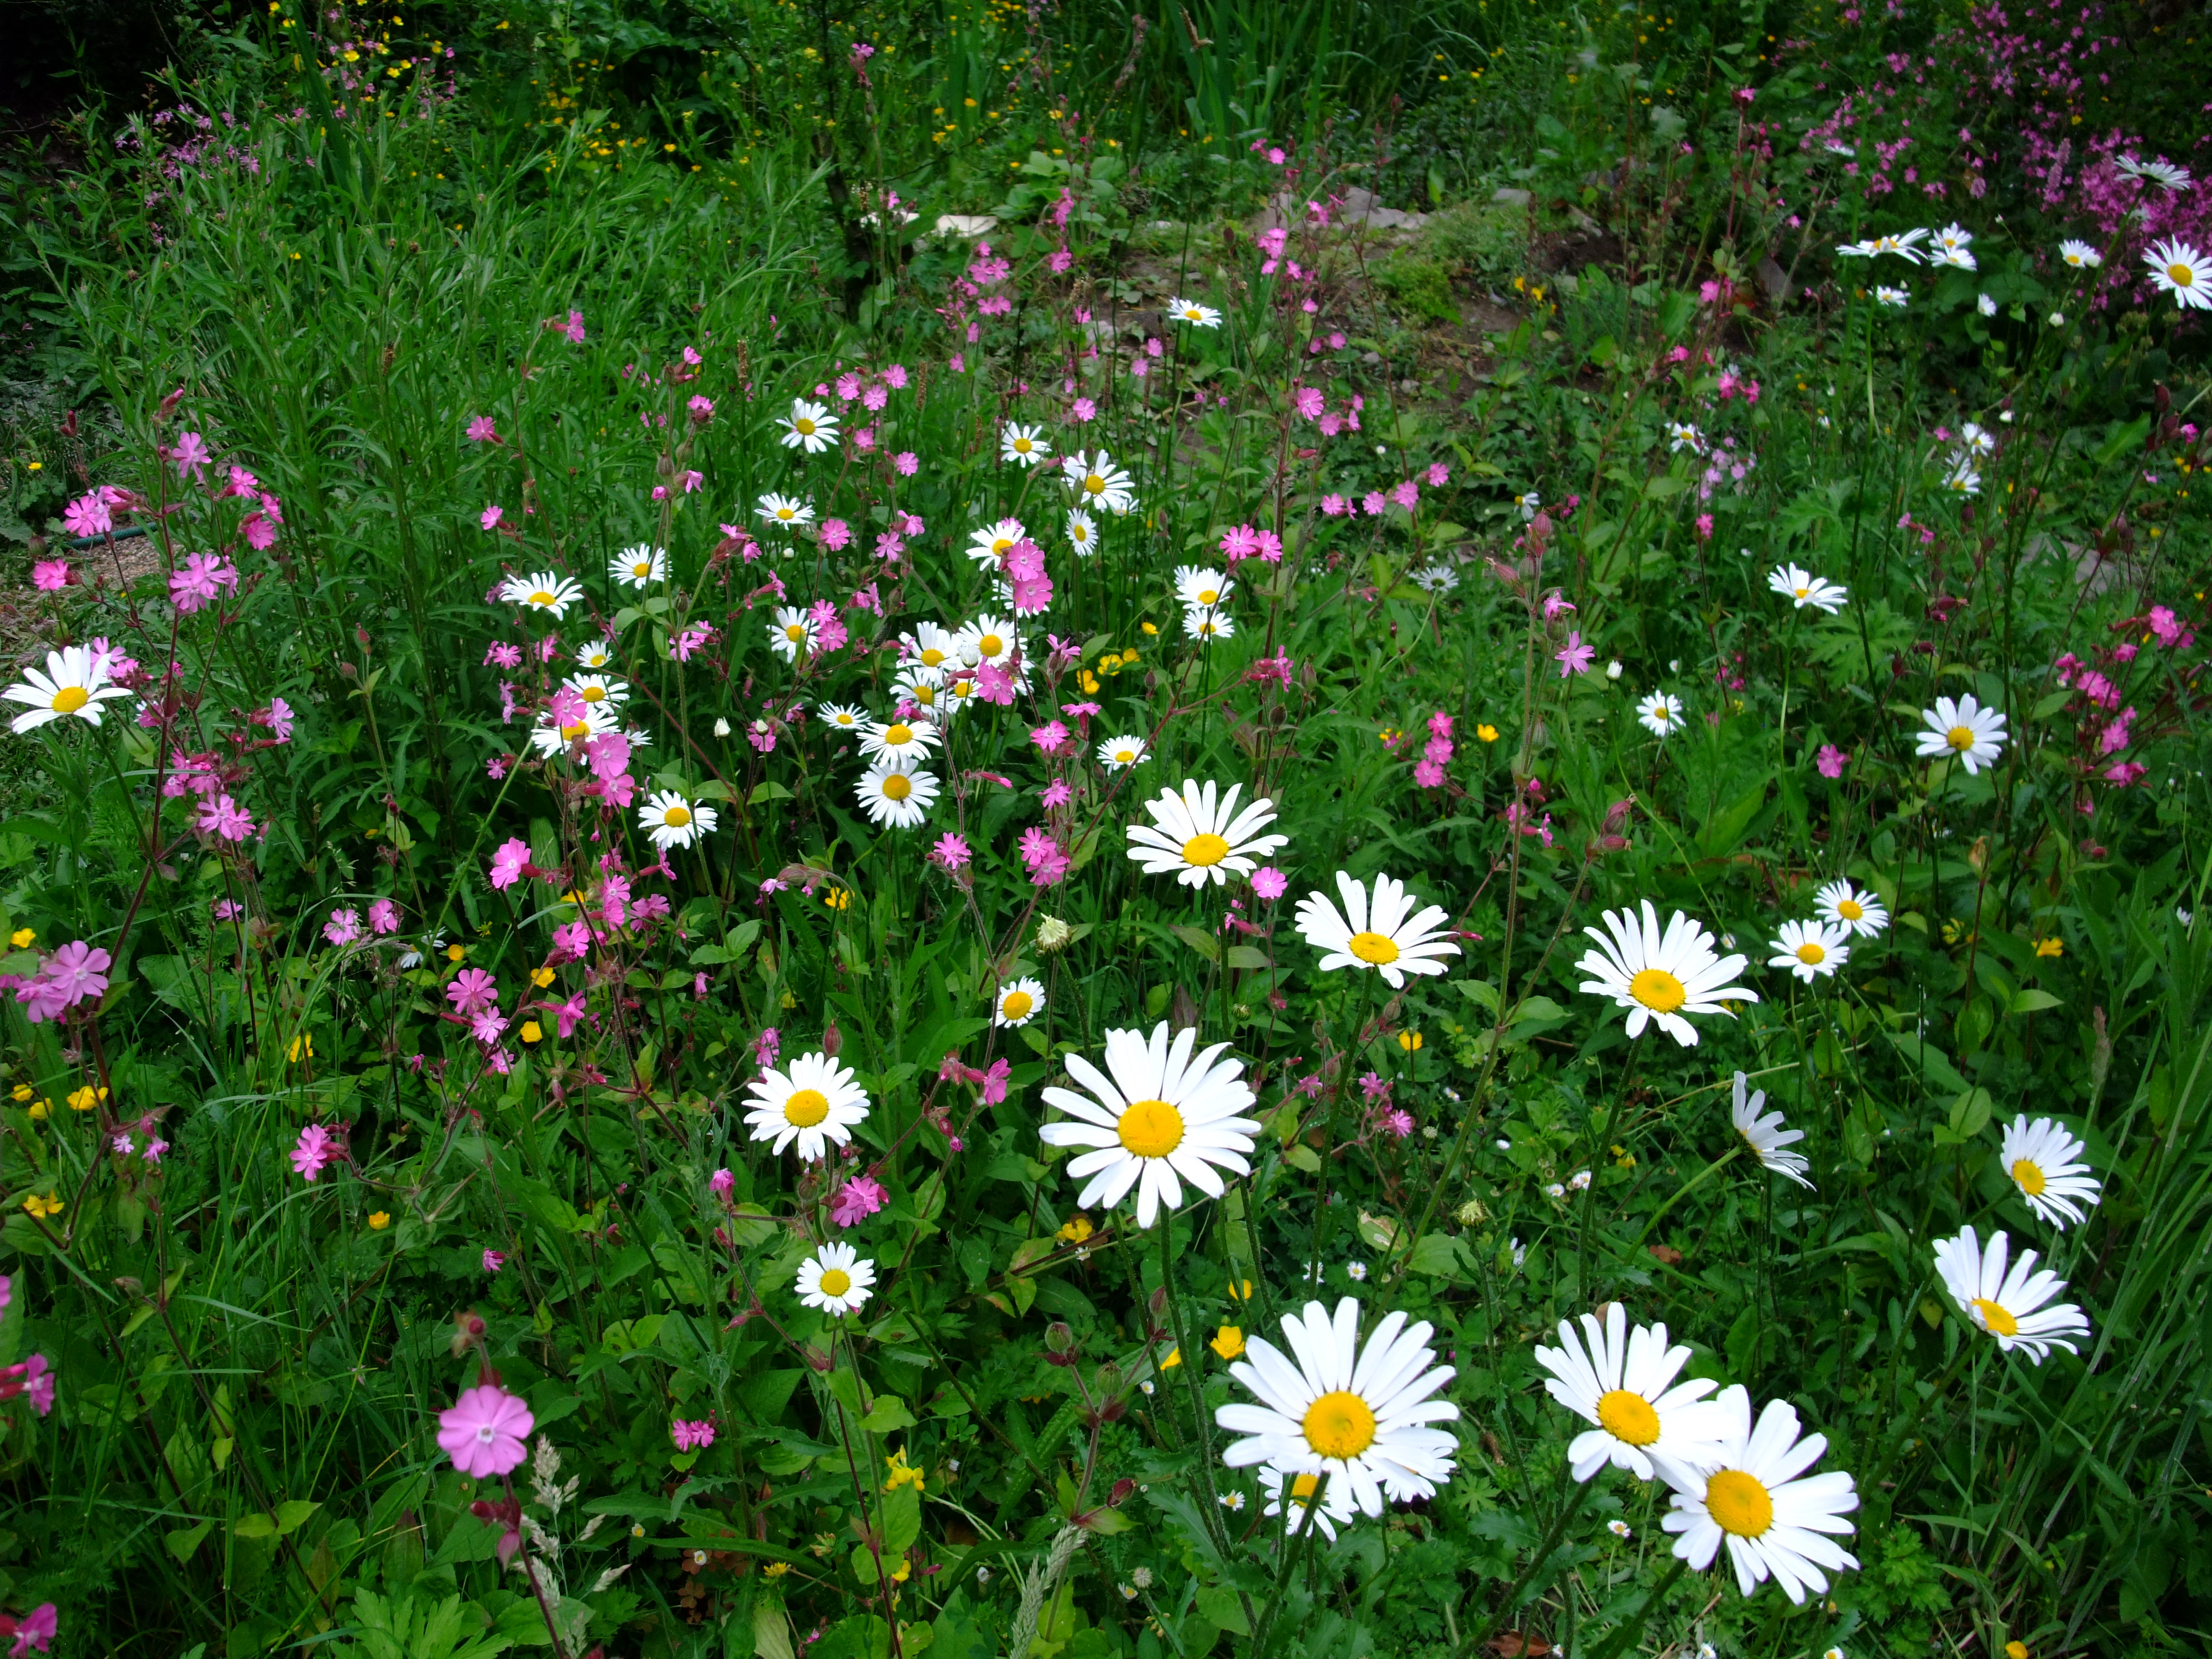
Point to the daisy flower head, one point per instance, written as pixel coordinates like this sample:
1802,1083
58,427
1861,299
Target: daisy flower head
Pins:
843,718
1777,1522
1096,482
1336,1508
1623,1381
1022,446
814,1101
593,655
1384,933
2079,255
786,512
1436,578
925,689
1802,588
670,820
1199,588
1082,534
639,566
987,545
1018,1003
836,1279
1198,836
2045,1161
1895,298
2177,269
1201,622
2167,176
1959,257
1158,1116
1766,1135
75,682
1905,245
1660,977
1964,478
1116,753
597,690
1974,734
930,646
1198,316
791,634
1659,714
1357,1414
810,427
897,739
542,590
1811,950
1975,438
991,640
2009,1305
548,737
1681,435
893,792
1851,908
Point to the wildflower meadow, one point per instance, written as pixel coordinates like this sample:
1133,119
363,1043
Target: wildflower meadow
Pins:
1096,830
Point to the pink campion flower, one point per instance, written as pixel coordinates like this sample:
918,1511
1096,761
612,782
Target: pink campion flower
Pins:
2098,690
1052,737
78,971
1407,495
690,480
1557,605
2168,628
344,927
1269,883
484,1431
1082,410
572,942
508,860
491,516
488,1027
1399,1122
190,453
767,1046
2126,773
41,999
225,817
35,1629
701,409
889,546
482,431
1331,425
690,641
1831,761
1438,474
994,684
1057,794
501,654
907,462
2115,737
835,533
197,586
568,1015
692,1436
315,1148
1062,260
259,530
87,516
1575,659
895,377
33,1378
1374,502
473,990
856,1200
383,917
994,1086
1440,724
276,718
1240,543
848,387
1031,595
951,852
608,756
494,1261
50,575
1428,775
1308,401
1335,506
154,1150
1271,547
575,333
1704,526
720,1183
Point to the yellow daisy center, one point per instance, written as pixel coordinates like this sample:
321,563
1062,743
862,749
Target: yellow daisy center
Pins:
1127,757
1376,949
1094,483
898,787
1000,544
931,657
805,1107
1207,595
677,816
804,426
1017,1005
1022,446
70,699
1339,1425
2030,1176
794,632
1151,1128
1800,592
1999,1322
570,734
1740,1503
593,693
1961,738
1851,909
990,644
835,1281
541,596
1658,990
2182,276
1629,1416
1811,954
1077,532
1205,850
1659,713
901,732
641,569
925,696
786,513
1304,1486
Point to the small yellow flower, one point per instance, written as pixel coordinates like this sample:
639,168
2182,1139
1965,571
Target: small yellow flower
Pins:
1228,1342
1487,731
2015,1649
1409,1041
838,899
1149,628
42,1207
1075,1230
905,1568
902,1473
23,1091
304,1044
1388,735
1089,682
541,977
23,938
84,1099
1174,1359
531,1030
774,1570
455,952
1240,1289
379,1220
2051,947
40,1110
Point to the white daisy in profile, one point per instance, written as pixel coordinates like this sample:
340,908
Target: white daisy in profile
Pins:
1753,1498
1436,578
1097,482
1359,1415
814,1100
1961,258
75,682
836,1279
639,566
542,590
1200,836
2179,270
897,739
1895,298
1198,316
1528,504
1162,1117
1681,435
550,739
1811,950
991,640
1766,1135
1337,1509
1659,714
788,512
1022,446
1963,479
1198,587
1385,933
1662,977
1802,588
1986,305
1082,534
1854,910
843,718
895,794
1904,245
1207,625
1974,734
1116,753
2167,176
2009,1306
671,821
597,690
929,646
2079,255
2045,1161
593,655
987,545
1623,1381
1018,1003
810,427
790,633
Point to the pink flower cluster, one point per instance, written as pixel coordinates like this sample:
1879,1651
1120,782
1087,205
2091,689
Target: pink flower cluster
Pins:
692,1436
1437,753
316,1147
75,972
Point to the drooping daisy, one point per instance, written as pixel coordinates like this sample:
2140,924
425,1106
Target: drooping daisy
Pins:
639,566
593,655
597,690
2079,255
1018,1003
898,738
810,427
542,590
835,1280
1662,977
1904,245
1623,1381
1082,534
790,633
2009,1306
987,545
1098,482
1436,578
1802,588
1811,950
1384,934
893,792
671,821
1851,908
75,682
930,646
1754,1499
843,717
2182,272
1974,734
814,1100
1200,836
2045,1161
787,511
1963,479
1337,1509
1163,1117
1766,1135
1660,712
1198,316
1022,446
1359,1415
994,641
1116,753
1895,298
2164,174
550,739
1205,624
1197,587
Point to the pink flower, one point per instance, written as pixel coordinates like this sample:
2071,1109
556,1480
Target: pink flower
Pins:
767,1046
2125,772
1407,495
344,927
195,586
484,1431
87,516
35,1380
491,516
907,462
76,973
482,431
494,1261
508,863
1428,775
691,480
1704,526
1399,1122
1051,737
315,1148
36,1628
701,409
472,991
994,1086
1057,794
1309,403
1438,475
1083,410
856,1200
1374,503
1269,883
692,1436
50,575
994,685
225,817
1240,543
383,917
608,756
2168,628
1575,659
835,533
276,718
720,1183
1831,761
575,333
572,942
190,454
951,852
1335,506
505,655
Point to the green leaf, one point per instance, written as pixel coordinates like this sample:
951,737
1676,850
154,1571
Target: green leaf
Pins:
2030,1002
1204,943
1107,1523
1244,955
1224,1608
1436,1254
183,1544
291,1517
1300,1155
257,1525
887,1414
901,1520
1970,1113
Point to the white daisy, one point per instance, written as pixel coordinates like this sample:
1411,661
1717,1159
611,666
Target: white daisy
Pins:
835,1280
810,427
1116,753
1096,482
925,689
1337,1509
893,793
2079,255
2045,1161
995,641
1384,934
1082,534
897,738
1766,1135
548,739
1976,440
1959,257
788,512
672,821
1986,305
2164,174
1802,588
1975,734
1620,1529
75,682
1852,908
1022,446
1895,298
1358,1415
929,646
2182,272
814,1101
1811,950
1436,578
1198,587
1660,978
1198,316
1963,479
1660,712
597,690
639,566
1682,435
2009,1306
1201,837
1203,623
1773,1522
993,542
1164,1116
1904,245
1018,1003
594,654
1623,1381
542,590
790,633
843,718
